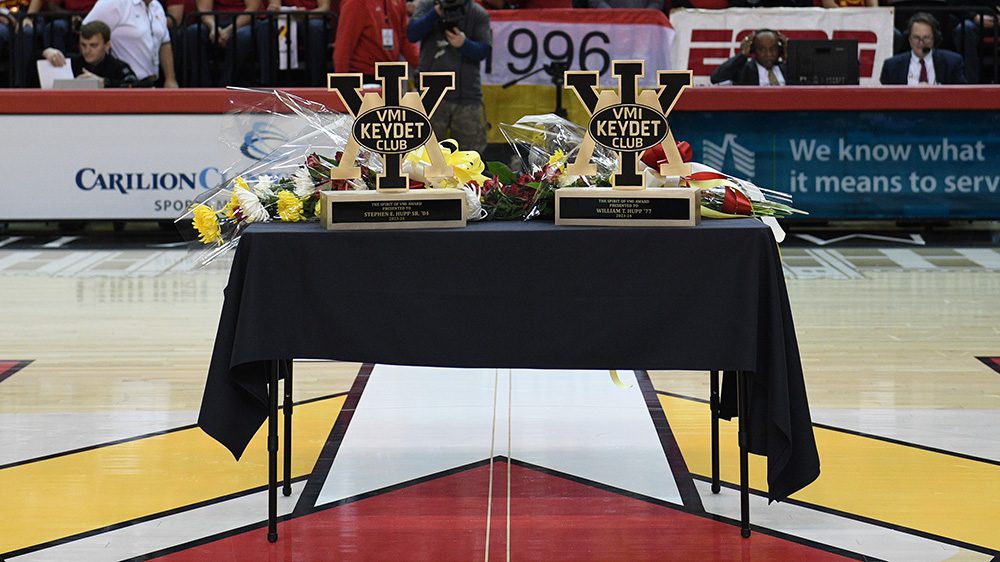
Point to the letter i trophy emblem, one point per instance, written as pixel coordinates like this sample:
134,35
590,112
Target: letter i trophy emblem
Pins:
392,124
628,122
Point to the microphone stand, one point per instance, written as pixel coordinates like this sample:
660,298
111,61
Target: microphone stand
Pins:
555,70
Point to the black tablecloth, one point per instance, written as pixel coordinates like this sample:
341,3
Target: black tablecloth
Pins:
519,295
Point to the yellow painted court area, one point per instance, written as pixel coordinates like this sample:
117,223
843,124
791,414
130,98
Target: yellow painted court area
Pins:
932,492
71,494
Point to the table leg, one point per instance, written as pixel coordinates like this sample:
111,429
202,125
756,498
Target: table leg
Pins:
744,439
272,454
286,489
713,405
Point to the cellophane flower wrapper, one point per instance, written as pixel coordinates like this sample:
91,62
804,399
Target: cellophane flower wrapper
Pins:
545,144
289,171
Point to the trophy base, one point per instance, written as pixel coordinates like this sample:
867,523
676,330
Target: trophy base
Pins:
370,210
602,206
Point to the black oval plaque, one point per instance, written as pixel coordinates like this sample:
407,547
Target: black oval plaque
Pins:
628,127
392,129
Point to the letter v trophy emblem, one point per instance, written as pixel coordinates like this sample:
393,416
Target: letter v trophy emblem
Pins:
628,123
391,125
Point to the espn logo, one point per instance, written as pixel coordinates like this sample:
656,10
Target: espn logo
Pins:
711,47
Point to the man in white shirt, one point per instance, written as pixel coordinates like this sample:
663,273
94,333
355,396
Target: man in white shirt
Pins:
923,64
139,37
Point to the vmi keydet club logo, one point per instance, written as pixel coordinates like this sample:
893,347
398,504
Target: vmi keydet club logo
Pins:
391,125
629,122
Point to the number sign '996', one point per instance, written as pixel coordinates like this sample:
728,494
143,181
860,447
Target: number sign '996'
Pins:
628,127
526,40
392,130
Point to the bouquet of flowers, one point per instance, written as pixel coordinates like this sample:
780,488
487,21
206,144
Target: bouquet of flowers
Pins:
285,184
545,143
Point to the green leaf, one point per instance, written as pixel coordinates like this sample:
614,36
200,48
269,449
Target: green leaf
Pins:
501,172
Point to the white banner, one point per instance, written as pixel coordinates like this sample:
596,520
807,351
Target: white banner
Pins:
706,38
123,166
524,40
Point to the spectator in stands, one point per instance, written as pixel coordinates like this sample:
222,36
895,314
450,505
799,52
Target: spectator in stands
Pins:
923,63
764,68
47,23
140,38
651,4
770,3
455,35
94,60
968,34
371,31
235,34
313,32
8,27
898,44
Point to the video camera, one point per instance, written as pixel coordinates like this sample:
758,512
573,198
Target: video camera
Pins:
452,12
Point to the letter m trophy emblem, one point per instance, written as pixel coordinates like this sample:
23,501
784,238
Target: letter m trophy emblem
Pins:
392,124
628,122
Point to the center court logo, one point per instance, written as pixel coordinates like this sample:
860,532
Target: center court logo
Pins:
718,155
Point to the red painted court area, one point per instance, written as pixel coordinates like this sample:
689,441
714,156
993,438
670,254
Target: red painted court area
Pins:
552,519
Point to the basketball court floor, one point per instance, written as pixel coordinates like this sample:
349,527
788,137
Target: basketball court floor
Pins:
104,352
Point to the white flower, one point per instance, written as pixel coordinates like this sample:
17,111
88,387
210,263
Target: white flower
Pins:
264,185
251,207
304,186
474,208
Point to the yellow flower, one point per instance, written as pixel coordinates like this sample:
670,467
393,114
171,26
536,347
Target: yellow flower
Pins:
289,207
467,165
557,160
206,222
240,182
319,207
230,208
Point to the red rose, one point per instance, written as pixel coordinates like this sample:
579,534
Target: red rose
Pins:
736,203
653,157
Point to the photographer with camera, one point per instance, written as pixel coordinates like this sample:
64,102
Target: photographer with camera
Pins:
454,36
371,31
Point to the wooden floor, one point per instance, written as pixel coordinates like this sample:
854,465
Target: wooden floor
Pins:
103,355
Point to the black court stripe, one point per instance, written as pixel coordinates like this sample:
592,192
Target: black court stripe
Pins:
704,515
863,519
321,470
868,436
989,363
579,480
324,507
139,437
7,373
143,519
675,458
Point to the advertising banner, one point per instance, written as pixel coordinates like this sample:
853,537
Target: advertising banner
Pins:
859,165
706,38
124,166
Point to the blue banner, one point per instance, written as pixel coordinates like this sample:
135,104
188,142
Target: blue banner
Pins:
858,165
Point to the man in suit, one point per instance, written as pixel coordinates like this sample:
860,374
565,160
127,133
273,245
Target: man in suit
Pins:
765,68
923,64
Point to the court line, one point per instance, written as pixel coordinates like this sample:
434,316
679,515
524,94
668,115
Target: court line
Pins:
138,437
866,435
991,364
321,470
10,371
863,519
675,458
138,520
